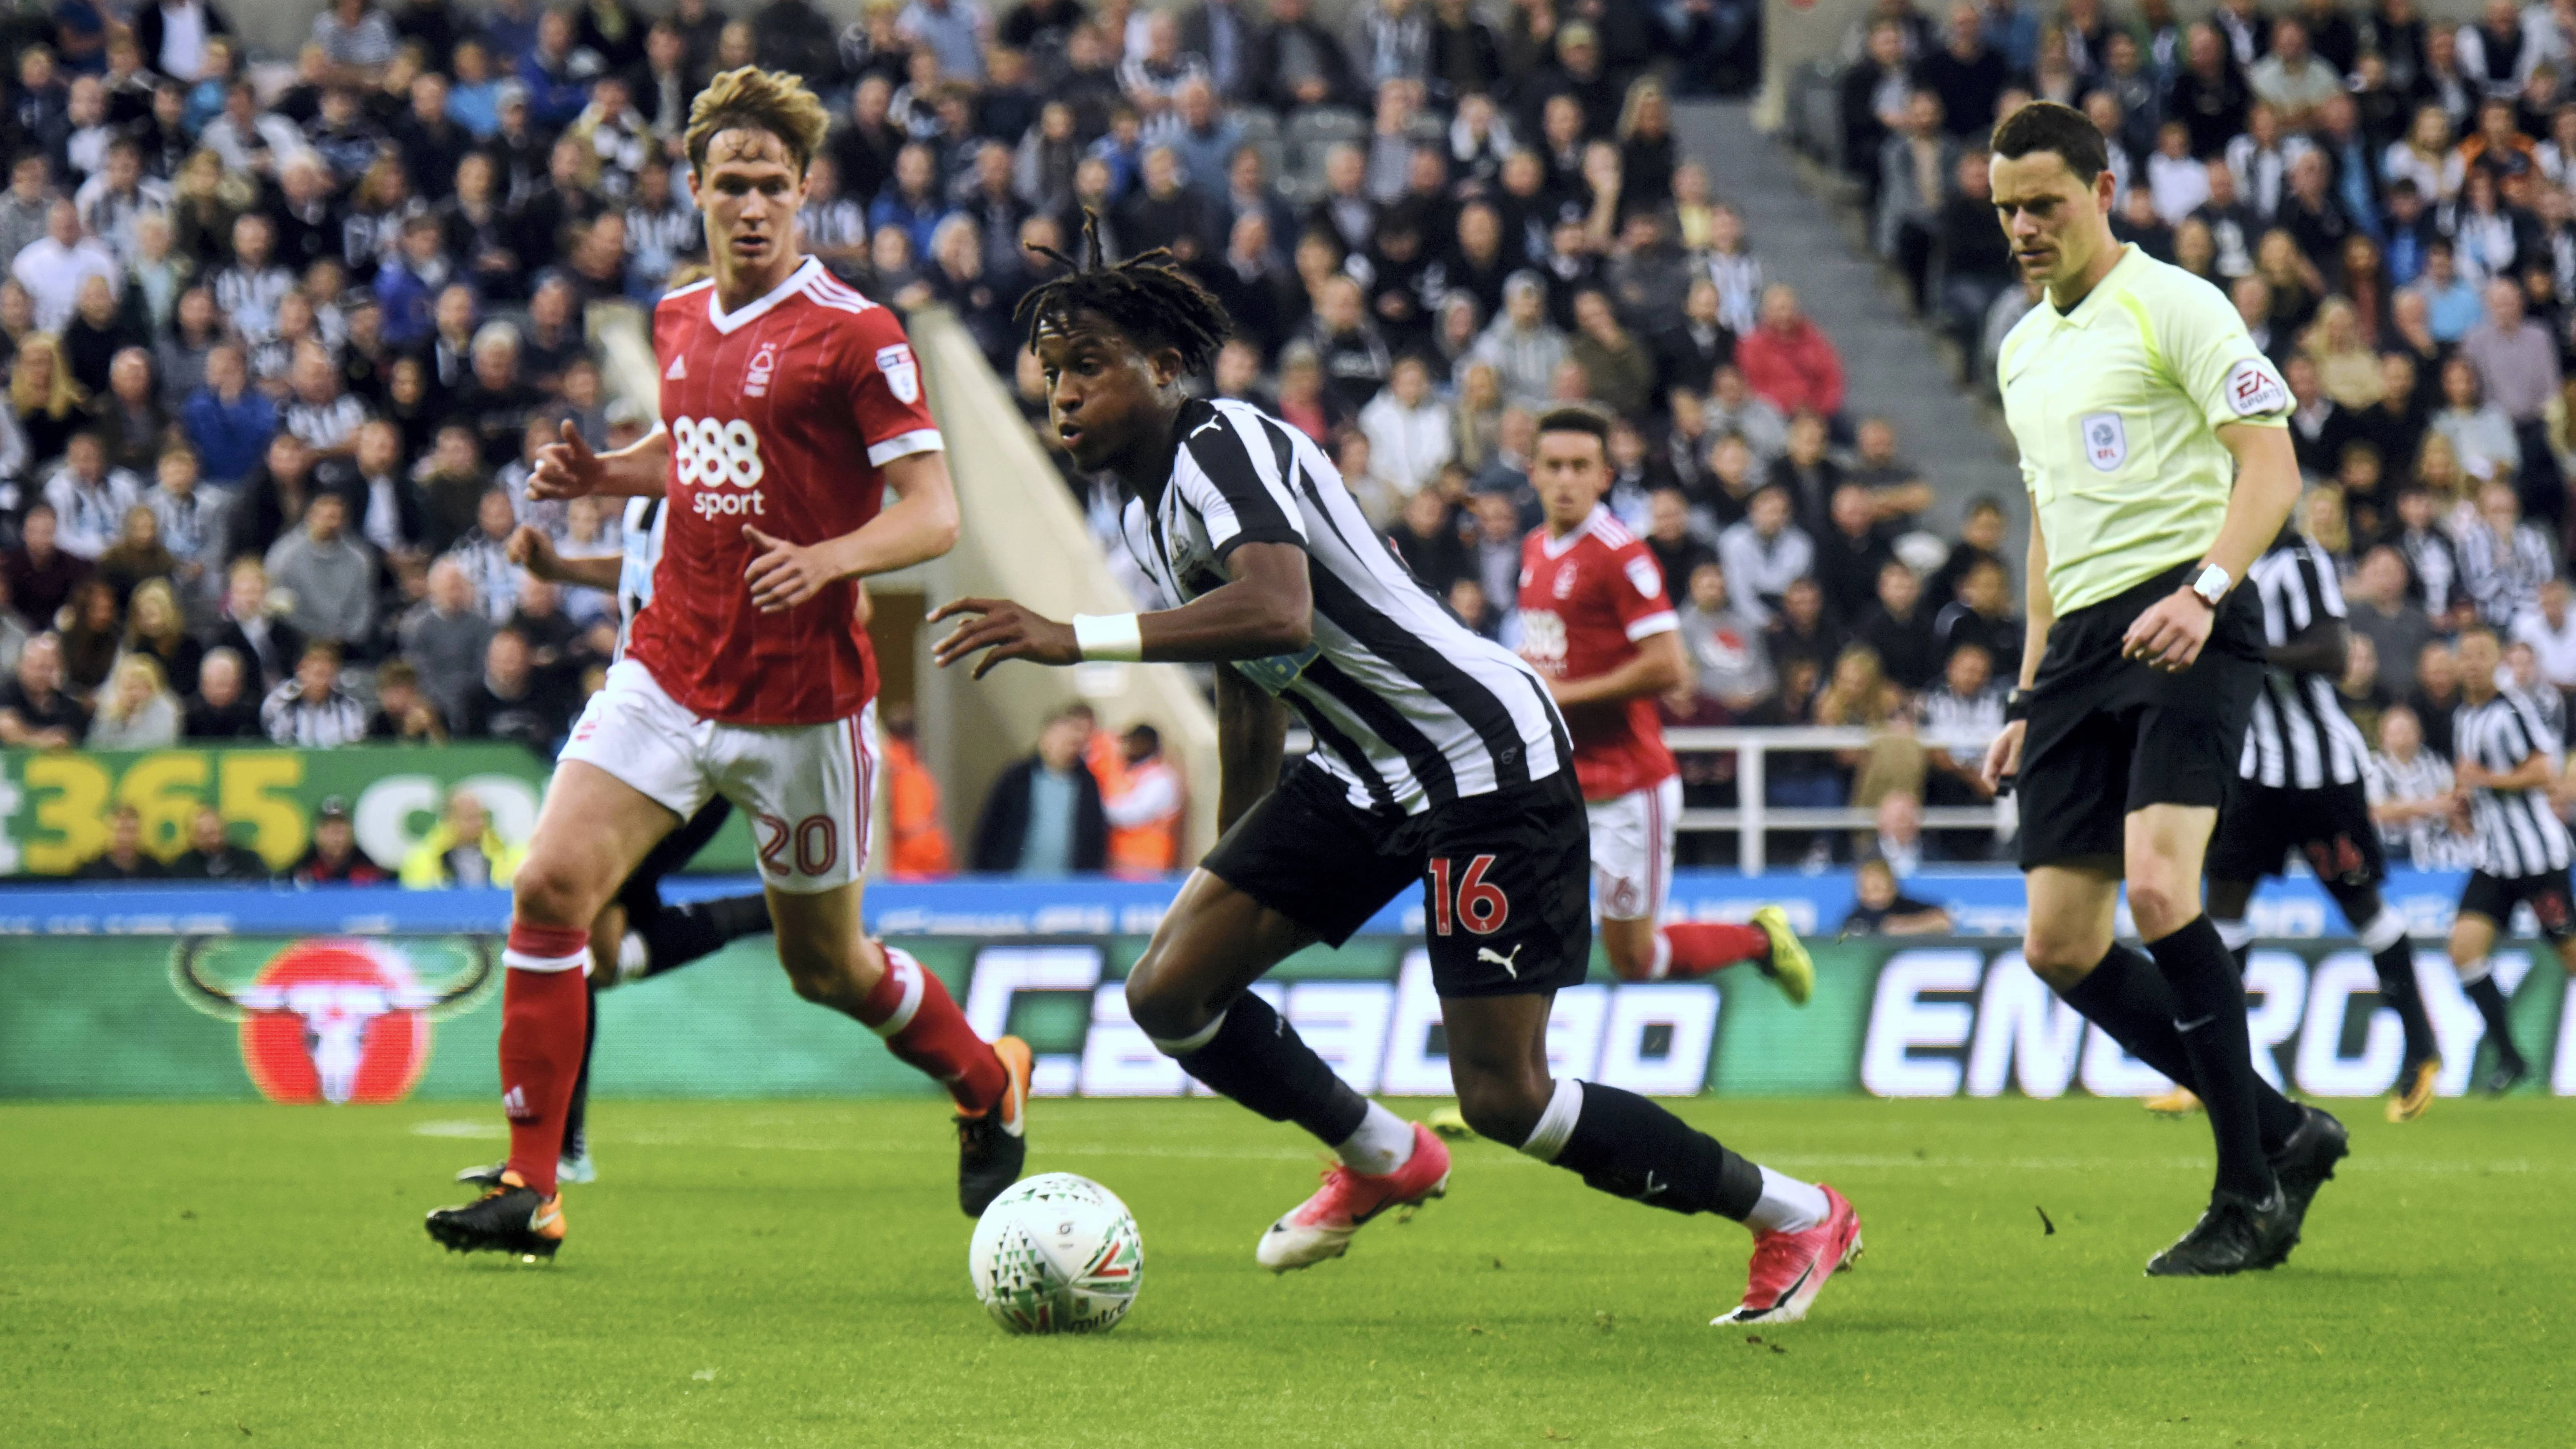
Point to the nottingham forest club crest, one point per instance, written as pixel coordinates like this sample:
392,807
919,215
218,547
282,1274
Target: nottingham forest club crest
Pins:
334,1020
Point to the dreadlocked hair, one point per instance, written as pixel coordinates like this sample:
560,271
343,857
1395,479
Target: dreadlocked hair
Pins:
1147,296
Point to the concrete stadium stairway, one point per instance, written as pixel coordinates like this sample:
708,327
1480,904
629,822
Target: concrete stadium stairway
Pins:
1889,362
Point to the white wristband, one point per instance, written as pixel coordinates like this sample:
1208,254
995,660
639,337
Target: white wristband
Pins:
1108,636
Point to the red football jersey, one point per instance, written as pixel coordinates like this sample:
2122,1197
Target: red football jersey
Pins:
781,415
1586,599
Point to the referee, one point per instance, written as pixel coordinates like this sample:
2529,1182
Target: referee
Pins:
2154,445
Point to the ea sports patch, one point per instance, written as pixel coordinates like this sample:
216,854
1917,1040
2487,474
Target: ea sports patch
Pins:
902,374
2254,389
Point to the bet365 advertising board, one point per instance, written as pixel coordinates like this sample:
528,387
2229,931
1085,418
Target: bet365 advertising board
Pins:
55,804
356,1020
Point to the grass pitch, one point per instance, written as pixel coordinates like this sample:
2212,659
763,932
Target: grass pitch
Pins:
794,1273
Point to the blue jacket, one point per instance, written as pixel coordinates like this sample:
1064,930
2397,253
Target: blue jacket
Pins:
410,304
230,441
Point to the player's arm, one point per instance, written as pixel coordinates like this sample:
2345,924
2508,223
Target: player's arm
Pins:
919,525
2324,647
530,549
2003,755
1658,667
567,468
1265,608
1251,735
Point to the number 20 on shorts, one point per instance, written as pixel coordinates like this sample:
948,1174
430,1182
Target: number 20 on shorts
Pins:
1476,903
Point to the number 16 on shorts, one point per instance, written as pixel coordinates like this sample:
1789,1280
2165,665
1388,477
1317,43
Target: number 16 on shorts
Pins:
1465,897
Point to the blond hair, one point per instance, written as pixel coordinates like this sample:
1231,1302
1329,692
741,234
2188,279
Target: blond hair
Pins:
61,395
751,98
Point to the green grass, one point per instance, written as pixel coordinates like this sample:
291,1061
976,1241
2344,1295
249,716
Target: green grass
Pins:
793,1273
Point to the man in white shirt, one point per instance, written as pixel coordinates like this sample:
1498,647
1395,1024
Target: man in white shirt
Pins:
53,266
2550,630
1408,429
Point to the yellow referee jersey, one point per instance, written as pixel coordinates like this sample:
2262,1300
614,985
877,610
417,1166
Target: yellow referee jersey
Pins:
2116,407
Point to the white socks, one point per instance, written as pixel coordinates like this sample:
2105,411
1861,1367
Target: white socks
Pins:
1787,1206
1383,1144
2385,930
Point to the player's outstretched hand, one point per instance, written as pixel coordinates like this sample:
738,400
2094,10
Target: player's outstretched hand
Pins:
2003,755
566,468
1007,630
2169,635
783,575
530,549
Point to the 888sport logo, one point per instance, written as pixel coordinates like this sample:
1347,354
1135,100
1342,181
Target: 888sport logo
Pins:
708,455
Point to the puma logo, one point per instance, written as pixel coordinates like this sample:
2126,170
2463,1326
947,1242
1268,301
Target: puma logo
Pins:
1488,953
1203,427
1652,1187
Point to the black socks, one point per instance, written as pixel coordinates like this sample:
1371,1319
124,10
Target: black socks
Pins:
2209,1014
2489,1001
674,936
1258,1059
2398,991
2127,996
1628,1147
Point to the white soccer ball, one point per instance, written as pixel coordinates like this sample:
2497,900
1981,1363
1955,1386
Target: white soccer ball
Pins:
1057,1253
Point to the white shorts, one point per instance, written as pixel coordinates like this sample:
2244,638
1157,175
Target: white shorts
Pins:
1632,850
805,788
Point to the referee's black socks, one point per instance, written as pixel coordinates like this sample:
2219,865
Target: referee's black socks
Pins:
2209,1015
2128,997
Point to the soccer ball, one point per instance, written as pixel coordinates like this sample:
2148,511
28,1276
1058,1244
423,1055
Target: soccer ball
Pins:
1057,1253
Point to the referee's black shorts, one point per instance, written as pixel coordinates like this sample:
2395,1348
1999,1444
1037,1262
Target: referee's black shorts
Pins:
2329,827
2108,735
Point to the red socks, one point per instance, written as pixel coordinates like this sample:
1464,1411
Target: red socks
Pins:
1701,949
924,1029
545,1005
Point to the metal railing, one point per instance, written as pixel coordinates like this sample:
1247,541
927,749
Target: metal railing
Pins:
1754,817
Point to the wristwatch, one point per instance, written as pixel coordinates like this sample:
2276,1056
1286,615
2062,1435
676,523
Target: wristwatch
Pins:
2211,585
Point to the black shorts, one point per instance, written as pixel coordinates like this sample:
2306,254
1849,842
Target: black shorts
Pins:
2330,828
2108,735
2495,896
642,891
1506,877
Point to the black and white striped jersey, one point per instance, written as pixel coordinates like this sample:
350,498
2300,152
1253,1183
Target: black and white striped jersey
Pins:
1409,708
2518,832
2300,738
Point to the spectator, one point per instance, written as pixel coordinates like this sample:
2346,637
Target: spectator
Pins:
2517,371
1879,908
54,266
1408,428
462,851
1764,553
1788,361
1967,76
2437,695
124,858
1426,537
512,699
137,556
1669,537
1851,552
1734,408
1982,615
328,576
219,709
1957,721
90,633
919,843
1522,346
1044,817
484,555
211,854
1915,167
403,714
2411,797
227,420
35,712
90,500
1801,633
2504,563
13,631
136,710
334,857
40,575
310,710
44,401
1899,628
1731,668
1142,800
1618,372
2381,611
2550,632
2480,435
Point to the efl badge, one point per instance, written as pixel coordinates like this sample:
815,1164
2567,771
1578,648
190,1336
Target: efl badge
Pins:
2106,441
902,374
